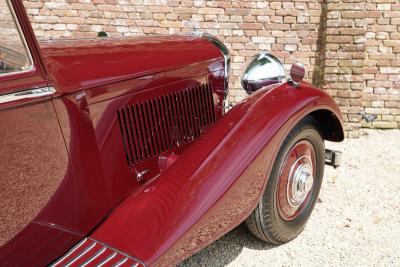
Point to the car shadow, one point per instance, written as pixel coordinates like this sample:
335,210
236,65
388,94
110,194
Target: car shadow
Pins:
227,248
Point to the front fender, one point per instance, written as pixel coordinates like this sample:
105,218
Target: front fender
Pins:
216,183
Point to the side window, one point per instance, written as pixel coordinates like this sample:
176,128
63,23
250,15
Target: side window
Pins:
14,54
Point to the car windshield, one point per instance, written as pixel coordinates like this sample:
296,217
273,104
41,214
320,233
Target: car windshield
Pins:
14,56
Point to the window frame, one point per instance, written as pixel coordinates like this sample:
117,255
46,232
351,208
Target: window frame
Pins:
24,43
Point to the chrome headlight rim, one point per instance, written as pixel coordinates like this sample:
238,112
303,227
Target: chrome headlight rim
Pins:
262,69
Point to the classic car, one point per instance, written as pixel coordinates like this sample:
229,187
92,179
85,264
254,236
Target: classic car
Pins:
124,152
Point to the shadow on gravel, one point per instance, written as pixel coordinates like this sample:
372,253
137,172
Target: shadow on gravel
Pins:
226,249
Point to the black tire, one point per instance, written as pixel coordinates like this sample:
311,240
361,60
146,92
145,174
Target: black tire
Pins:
266,222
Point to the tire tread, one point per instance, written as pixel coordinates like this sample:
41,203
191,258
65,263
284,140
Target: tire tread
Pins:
262,222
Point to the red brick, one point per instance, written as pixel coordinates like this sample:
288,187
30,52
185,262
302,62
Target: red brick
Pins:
360,48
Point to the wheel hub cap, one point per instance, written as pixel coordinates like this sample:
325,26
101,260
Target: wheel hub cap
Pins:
296,180
300,183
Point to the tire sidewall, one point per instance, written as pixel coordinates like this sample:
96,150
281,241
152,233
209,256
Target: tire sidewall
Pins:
291,229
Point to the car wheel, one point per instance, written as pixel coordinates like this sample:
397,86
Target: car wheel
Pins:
293,186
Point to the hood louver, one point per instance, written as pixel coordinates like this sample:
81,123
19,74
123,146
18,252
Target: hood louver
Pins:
161,124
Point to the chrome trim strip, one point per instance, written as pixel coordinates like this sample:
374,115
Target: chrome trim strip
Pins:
80,255
227,60
23,39
98,253
33,93
69,253
120,262
107,259
106,251
119,252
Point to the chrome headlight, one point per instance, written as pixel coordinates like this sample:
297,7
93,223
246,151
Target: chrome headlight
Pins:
263,70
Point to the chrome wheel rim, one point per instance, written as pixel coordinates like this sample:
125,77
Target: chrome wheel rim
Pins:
296,180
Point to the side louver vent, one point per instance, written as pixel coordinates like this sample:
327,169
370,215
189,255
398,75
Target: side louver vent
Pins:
163,123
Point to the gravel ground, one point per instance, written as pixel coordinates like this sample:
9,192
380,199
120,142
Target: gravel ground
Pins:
356,221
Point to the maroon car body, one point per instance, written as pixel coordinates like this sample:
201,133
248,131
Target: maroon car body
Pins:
129,149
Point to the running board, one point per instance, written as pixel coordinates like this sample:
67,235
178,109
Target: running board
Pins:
333,157
91,253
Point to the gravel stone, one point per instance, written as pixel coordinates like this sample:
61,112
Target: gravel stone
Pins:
356,221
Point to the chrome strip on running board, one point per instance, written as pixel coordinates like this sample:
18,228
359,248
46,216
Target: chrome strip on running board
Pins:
90,252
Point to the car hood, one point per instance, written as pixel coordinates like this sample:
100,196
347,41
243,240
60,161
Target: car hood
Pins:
78,64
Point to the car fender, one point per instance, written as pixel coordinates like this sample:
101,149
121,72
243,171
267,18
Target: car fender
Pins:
217,182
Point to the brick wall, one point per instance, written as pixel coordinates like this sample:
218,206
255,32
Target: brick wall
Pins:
381,94
351,47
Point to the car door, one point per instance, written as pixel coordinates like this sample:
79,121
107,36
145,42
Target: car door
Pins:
38,202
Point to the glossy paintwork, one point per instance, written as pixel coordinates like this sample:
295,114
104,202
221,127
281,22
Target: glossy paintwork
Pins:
297,72
36,180
121,80
37,186
120,177
191,197
131,70
215,183
91,191
83,64
40,246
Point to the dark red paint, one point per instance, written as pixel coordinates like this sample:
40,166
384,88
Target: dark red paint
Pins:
65,165
95,64
297,72
215,183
